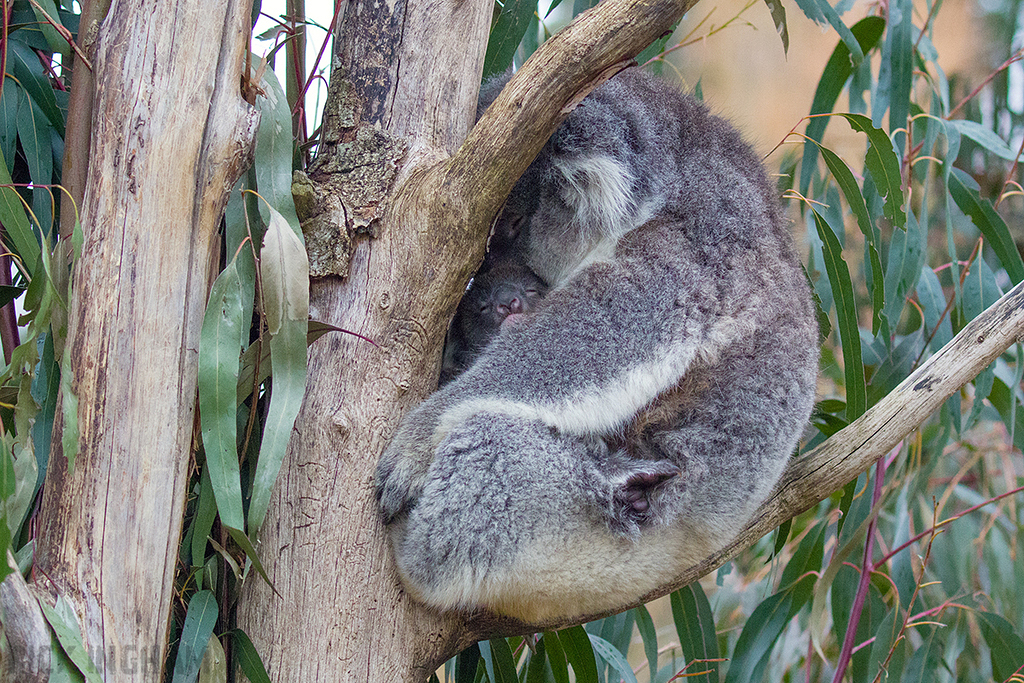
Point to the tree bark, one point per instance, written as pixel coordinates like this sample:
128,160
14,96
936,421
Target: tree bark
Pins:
170,136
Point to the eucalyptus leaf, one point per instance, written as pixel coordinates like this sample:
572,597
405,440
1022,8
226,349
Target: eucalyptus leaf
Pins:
200,618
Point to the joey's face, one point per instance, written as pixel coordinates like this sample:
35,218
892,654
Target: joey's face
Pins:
499,297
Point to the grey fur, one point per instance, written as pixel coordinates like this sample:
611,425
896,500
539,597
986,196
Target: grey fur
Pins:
679,336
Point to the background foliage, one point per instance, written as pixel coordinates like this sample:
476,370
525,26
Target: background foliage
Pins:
910,572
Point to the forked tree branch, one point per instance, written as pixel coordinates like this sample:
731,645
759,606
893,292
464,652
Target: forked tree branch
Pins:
813,476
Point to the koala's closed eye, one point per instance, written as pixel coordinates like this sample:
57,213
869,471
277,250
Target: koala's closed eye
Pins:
647,406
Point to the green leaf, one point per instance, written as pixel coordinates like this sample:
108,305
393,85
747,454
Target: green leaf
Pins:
696,628
888,640
905,259
466,664
241,215
614,658
274,148
20,474
1005,646
833,78
34,131
65,627
896,71
821,11
846,311
843,593
580,653
506,34
536,668
202,523
24,62
220,343
200,619
53,38
778,13
966,194
9,100
15,222
848,184
556,657
985,137
762,630
807,557
933,301
248,658
497,656
649,636
926,660
883,165
285,278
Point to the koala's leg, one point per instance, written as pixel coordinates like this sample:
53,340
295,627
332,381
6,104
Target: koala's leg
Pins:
501,497
735,433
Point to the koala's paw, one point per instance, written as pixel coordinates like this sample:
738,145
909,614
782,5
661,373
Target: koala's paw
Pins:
401,474
632,498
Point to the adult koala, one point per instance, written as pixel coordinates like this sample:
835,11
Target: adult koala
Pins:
632,424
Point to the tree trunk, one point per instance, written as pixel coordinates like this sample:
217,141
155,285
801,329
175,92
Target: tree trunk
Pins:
170,136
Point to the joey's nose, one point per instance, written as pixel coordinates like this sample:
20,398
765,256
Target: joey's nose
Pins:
515,306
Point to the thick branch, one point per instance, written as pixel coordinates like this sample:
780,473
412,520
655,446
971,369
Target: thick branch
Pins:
813,476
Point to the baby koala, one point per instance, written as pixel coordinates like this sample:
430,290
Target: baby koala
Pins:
496,298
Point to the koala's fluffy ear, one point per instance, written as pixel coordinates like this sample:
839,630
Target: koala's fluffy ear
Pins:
490,89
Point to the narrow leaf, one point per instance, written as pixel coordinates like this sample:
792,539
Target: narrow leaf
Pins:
883,165
762,630
778,13
506,34
846,311
649,636
15,222
1006,646
848,184
64,623
200,619
696,628
579,652
614,658
285,277
966,194
837,72
284,270
556,657
219,347
274,148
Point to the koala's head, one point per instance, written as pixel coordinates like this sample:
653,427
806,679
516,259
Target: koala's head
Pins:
589,184
496,298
